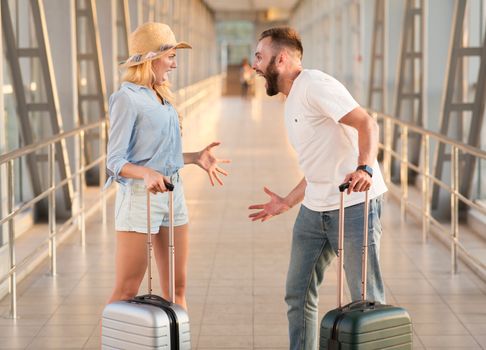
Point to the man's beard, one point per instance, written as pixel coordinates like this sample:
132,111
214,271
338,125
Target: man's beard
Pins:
271,75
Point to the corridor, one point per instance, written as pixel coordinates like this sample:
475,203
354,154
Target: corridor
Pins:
237,267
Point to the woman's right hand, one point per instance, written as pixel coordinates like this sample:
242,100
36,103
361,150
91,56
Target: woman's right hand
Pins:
155,181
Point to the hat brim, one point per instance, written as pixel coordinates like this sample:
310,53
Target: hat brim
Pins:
179,45
182,45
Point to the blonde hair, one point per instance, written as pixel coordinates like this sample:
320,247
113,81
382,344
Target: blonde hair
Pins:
142,74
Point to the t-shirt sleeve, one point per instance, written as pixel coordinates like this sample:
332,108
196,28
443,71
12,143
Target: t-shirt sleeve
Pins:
330,98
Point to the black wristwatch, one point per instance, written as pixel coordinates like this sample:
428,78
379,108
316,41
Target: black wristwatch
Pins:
366,168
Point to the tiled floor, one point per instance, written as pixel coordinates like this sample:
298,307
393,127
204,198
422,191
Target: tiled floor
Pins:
237,268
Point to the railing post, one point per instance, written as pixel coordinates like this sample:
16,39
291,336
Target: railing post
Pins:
77,182
11,239
404,171
103,169
425,187
81,188
454,206
387,150
52,208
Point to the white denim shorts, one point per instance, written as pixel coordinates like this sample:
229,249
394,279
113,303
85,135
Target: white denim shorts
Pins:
131,207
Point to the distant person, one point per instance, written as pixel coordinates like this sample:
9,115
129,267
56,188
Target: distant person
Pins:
246,77
336,141
144,150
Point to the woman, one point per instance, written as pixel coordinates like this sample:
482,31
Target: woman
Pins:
144,150
246,77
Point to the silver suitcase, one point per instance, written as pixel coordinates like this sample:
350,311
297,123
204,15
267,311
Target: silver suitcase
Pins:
148,321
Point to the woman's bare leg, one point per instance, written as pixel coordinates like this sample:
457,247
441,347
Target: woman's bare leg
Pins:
131,263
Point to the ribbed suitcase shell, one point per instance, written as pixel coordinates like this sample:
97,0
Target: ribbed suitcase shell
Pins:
145,323
366,325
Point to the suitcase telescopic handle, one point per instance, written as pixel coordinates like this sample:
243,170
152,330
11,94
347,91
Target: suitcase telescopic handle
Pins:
364,253
170,188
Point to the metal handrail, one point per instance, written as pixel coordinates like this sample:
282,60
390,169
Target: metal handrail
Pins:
78,214
37,146
44,143
390,124
202,88
440,137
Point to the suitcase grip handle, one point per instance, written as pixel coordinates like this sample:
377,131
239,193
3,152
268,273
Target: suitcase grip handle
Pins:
152,300
358,304
169,186
343,187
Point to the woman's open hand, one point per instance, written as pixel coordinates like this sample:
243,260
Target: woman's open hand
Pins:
207,161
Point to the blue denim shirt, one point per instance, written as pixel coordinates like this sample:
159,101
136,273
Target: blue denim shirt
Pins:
142,132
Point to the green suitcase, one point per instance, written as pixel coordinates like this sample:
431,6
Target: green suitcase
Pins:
366,325
363,325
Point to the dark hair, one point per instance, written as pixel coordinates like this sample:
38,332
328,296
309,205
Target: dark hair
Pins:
284,36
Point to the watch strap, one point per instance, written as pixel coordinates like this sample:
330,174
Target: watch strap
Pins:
366,168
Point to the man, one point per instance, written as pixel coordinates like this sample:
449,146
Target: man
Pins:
336,141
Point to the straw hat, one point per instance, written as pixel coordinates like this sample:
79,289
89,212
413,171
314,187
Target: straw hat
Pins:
150,41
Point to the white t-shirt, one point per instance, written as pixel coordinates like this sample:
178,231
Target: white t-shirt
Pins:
327,150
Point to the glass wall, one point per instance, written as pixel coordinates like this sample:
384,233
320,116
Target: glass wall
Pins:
67,36
236,39
337,39
331,35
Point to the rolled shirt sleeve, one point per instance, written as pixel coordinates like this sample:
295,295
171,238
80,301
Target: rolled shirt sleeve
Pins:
122,120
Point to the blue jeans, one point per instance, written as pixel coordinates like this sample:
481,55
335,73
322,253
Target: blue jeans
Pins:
314,245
